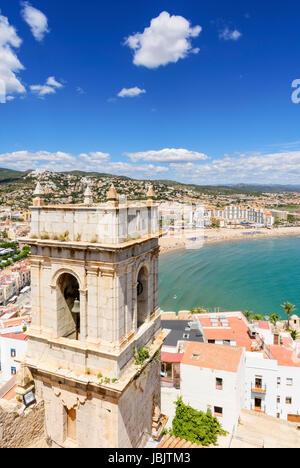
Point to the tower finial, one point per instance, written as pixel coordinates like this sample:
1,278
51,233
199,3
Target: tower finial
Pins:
150,194
38,195
88,196
112,194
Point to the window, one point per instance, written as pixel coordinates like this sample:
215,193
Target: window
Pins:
211,341
226,342
278,399
289,382
218,411
278,380
219,384
13,371
258,382
288,401
13,353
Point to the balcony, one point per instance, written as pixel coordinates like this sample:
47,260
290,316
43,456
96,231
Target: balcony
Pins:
258,408
258,388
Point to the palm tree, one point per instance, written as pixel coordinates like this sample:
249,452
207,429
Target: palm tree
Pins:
289,308
274,318
248,314
258,317
294,334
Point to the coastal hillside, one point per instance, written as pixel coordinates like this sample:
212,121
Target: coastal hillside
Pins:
17,187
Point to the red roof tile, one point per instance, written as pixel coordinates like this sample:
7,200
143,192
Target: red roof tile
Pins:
171,357
15,336
210,356
285,356
176,443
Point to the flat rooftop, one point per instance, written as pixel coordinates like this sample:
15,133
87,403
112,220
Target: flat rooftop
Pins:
180,331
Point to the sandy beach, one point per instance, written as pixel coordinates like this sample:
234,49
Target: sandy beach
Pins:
180,240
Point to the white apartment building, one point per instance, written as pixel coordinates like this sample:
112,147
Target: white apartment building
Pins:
251,215
212,379
272,381
13,346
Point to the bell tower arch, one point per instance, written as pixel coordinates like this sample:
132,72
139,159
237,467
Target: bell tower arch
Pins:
94,270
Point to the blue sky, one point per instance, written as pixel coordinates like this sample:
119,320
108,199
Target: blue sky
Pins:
193,91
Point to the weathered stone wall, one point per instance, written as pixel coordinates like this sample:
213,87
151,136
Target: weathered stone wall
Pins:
136,407
19,428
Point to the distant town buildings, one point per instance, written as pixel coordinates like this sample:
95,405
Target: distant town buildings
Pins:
13,280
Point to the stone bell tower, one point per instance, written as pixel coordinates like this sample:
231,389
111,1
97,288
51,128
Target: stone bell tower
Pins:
94,270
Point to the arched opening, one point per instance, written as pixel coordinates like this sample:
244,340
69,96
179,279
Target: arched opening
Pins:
68,307
142,297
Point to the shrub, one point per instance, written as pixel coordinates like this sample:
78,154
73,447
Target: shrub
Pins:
195,426
198,310
141,355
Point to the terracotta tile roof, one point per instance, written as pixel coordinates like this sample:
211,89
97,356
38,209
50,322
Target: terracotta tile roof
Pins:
205,321
262,325
171,357
237,330
210,356
13,322
11,394
176,443
284,356
15,336
219,334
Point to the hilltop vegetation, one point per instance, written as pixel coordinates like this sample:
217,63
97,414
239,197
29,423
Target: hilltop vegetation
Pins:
16,189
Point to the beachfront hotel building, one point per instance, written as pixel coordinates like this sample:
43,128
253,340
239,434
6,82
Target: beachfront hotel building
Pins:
238,214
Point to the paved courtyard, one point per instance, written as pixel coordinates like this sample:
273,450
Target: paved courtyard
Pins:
261,431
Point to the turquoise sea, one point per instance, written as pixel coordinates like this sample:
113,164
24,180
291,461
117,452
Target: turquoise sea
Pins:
256,274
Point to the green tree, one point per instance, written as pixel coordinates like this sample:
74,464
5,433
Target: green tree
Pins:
248,314
274,318
215,223
195,426
294,334
288,308
198,310
258,317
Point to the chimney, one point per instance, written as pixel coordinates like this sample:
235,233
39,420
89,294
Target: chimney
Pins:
276,337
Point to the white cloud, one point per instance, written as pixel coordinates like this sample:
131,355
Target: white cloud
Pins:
36,20
167,155
255,168
49,87
10,65
89,162
80,90
229,35
51,81
131,92
166,40
274,168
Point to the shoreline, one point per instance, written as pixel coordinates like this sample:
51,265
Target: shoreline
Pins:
169,244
